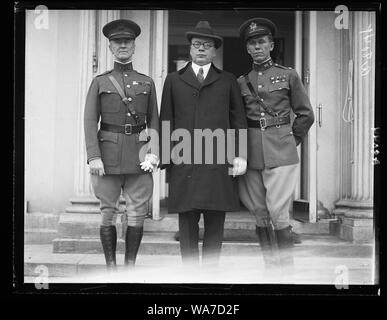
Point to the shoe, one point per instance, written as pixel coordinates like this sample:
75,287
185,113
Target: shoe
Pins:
285,246
266,239
296,237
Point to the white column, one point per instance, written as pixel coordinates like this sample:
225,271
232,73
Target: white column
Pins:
82,186
357,196
364,104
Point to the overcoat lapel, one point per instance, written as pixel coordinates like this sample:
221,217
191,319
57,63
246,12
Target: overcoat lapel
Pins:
212,76
188,76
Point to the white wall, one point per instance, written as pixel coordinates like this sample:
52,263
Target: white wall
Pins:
51,82
328,86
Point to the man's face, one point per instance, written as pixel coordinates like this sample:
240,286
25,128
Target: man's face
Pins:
259,48
201,55
122,49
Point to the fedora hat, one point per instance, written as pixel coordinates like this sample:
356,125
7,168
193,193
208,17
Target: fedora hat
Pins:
203,29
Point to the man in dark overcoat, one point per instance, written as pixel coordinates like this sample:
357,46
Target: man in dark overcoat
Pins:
271,93
196,98
123,102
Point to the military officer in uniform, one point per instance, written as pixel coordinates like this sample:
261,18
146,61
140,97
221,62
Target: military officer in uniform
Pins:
119,153
271,92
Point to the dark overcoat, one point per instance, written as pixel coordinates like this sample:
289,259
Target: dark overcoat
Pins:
186,104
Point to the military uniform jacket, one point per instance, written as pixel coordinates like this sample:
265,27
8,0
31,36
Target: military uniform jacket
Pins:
120,153
214,104
282,91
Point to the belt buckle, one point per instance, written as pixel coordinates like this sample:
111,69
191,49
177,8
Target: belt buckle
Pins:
278,121
126,129
262,123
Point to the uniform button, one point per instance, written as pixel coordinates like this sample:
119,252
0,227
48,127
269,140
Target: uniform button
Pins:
128,114
261,99
259,73
128,85
108,91
260,86
125,75
130,99
262,114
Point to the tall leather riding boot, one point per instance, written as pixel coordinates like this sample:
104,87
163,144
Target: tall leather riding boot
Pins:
285,247
133,239
108,236
266,238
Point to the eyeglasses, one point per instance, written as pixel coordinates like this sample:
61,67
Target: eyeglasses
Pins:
206,45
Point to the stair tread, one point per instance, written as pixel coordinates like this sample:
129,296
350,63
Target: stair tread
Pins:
90,268
166,237
241,216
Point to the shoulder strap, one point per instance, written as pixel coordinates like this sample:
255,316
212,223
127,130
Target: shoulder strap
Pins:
123,97
255,95
118,87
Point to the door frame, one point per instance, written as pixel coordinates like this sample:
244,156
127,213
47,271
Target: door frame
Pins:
306,66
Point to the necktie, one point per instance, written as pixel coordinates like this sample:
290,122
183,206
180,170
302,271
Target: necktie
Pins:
200,75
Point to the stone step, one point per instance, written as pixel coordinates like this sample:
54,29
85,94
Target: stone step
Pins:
239,225
310,268
40,228
39,236
40,220
164,243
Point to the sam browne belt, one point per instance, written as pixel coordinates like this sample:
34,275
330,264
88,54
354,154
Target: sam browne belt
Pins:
126,129
264,123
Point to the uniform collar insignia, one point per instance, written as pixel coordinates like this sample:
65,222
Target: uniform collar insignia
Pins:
263,66
122,67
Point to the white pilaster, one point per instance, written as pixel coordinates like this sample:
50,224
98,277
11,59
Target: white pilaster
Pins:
357,197
82,185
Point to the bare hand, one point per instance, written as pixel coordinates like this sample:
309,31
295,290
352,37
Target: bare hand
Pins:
96,167
239,166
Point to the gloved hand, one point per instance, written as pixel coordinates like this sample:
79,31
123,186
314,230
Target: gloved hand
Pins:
150,162
239,166
96,167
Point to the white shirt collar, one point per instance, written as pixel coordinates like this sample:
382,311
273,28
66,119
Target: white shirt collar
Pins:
196,68
122,62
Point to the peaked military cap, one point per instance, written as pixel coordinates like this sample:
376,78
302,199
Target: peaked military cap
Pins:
257,27
203,29
121,28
